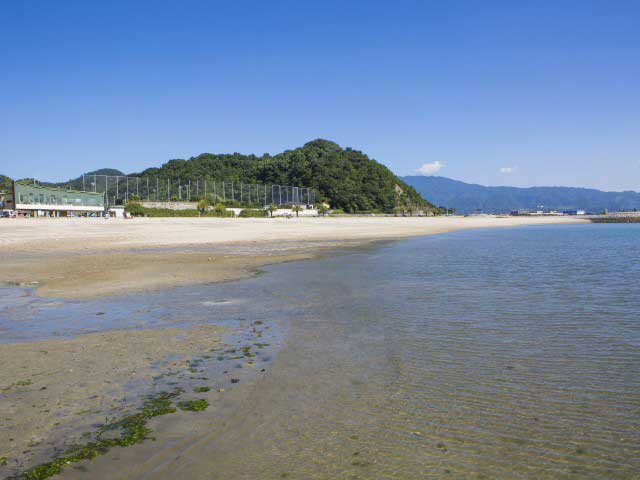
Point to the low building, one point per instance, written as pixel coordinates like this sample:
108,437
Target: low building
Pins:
574,212
41,201
117,211
6,201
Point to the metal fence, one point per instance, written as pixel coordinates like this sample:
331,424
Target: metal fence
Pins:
119,189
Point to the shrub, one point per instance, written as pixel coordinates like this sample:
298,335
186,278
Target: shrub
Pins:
252,213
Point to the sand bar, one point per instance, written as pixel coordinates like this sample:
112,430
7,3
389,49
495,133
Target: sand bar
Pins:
77,258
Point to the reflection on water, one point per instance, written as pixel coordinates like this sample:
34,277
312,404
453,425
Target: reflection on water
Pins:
486,354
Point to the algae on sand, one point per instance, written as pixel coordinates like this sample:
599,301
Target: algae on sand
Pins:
132,430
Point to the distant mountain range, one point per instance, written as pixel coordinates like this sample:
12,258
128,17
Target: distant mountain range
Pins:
469,198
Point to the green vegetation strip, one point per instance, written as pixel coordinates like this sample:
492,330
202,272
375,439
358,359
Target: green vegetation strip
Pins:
194,405
132,429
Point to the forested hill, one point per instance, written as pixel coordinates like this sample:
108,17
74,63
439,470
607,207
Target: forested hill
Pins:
347,179
76,183
5,183
468,198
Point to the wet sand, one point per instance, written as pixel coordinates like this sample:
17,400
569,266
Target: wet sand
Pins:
77,258
56,389
113,273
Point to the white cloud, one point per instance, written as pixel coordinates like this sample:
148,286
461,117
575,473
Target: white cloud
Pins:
428,169
508,170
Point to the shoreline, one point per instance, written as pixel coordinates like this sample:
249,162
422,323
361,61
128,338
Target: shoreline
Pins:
85,258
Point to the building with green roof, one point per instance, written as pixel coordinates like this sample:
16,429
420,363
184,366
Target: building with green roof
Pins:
38,200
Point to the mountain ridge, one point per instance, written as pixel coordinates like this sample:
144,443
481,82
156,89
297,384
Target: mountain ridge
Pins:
470,197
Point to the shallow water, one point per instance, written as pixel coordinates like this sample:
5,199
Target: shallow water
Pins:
495,354
506,353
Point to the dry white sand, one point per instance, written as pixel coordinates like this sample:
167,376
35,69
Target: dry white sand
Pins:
82,234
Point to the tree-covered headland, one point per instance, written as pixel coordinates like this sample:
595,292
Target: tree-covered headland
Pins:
344,178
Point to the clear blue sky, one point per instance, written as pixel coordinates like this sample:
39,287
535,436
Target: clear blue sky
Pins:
502,92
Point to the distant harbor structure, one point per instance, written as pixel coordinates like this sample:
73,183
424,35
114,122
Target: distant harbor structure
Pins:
540,213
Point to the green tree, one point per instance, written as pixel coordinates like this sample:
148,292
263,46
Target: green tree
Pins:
220,210
134,207
322,209
203,205
297,209
6,184
272,208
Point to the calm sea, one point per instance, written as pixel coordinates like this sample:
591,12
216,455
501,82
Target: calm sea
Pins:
497,354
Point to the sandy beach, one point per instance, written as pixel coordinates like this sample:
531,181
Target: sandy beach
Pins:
57,388
77,258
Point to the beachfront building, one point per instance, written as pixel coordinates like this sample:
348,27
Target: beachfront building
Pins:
40,201
6,201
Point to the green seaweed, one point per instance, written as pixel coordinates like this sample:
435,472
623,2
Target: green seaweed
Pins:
193,405
132,429
87,412
201,389
19,383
